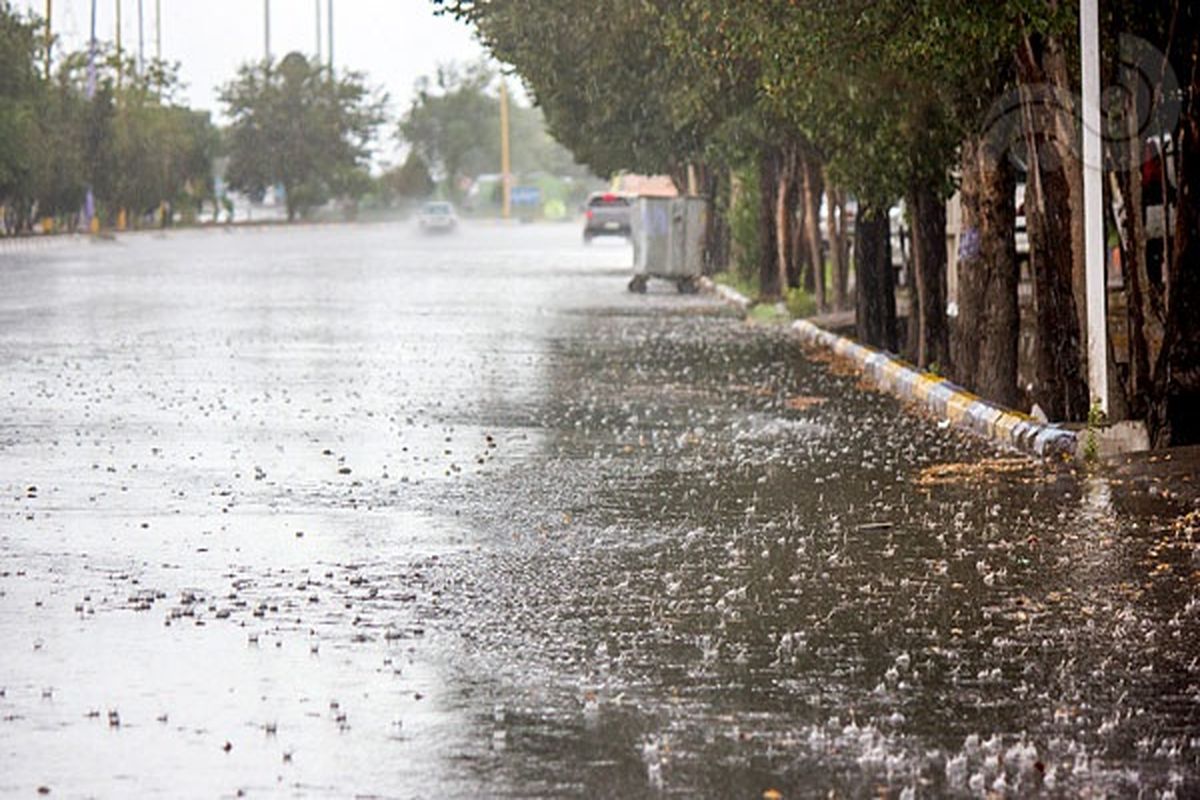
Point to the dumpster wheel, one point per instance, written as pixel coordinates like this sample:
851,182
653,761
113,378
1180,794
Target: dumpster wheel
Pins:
637,284
687,285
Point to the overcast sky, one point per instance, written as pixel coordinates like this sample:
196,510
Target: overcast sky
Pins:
393,41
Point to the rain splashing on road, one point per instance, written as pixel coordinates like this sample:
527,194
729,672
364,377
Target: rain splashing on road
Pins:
342,511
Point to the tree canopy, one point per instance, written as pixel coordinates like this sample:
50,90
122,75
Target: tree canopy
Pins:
296,125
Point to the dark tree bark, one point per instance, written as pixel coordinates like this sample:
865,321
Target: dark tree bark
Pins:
812,189
984,344
716,226
875,301
770,271
1053,197
1174,413
786,192
798,262
929,276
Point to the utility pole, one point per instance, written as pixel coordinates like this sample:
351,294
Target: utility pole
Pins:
505,176
89,203
158,30
49,39
141,42
317,3
329,29
267,30
1093,206
119,70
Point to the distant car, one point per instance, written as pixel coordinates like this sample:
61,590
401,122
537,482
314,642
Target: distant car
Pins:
607,214
437,217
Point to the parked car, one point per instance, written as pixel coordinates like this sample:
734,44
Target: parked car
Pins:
437,217
607,214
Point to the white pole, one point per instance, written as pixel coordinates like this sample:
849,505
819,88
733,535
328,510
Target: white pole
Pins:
141,62
1093,205
319,46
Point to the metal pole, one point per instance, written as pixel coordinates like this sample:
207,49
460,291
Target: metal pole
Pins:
119,44
141,42
329,31
89,203
91,73
158,30
317,3
267,30
1093,204
505,177
49,39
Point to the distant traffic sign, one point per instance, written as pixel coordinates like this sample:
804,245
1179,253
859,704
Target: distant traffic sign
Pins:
526,196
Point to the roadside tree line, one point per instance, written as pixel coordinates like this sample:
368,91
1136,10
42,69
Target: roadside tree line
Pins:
139,150
121,136
859,104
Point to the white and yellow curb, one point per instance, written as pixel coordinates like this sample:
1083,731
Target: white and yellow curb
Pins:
943,398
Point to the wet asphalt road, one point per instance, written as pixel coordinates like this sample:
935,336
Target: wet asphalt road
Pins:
348,511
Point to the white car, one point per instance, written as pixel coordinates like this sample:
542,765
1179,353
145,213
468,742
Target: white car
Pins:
437,217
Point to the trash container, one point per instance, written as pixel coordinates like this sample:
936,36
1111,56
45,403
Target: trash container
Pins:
668,241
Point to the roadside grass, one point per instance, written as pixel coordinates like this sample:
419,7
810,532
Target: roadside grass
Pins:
737,282
799,303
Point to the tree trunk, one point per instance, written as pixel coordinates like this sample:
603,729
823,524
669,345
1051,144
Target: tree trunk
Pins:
985,333
832,236
929,275
798,262
812,226
875,303
716,221
784,217
1053,197
1173,418
769,285
839,244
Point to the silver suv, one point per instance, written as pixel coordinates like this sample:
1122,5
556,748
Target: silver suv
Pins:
607,214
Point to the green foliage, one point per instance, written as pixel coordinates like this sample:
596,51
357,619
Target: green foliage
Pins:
800,304
130,143
296,125
769,314
453,125
599,70
744,228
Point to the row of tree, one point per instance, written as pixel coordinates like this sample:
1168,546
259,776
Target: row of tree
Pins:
887,100
100,127
113,129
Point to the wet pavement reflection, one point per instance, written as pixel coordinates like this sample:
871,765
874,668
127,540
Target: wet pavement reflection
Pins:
338,511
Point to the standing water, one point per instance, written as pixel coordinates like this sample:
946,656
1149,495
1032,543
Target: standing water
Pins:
350,511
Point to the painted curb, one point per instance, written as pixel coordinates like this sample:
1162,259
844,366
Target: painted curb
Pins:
726,293
943,398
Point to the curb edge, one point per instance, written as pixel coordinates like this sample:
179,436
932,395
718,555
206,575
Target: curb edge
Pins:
944,399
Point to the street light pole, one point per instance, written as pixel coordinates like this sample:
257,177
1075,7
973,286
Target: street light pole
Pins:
267,30
329,30
317,3
1093,205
